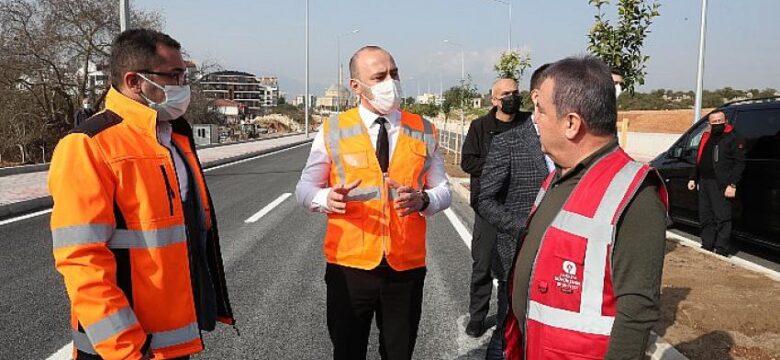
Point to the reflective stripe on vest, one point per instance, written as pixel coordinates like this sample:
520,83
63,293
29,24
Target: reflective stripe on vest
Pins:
160,339
144,239
599,232
429,139
81,235
119,238
336,134
111,325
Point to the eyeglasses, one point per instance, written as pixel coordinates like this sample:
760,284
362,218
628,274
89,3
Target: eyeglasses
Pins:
181,77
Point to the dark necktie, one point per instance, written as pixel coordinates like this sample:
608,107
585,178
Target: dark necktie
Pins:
382,145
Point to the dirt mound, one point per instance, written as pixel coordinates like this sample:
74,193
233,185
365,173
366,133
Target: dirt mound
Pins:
714,310
658,121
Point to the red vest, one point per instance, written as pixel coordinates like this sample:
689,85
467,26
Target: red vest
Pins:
572,304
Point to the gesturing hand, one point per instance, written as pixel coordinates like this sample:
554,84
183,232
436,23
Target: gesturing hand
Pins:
337,196
408,201
730,192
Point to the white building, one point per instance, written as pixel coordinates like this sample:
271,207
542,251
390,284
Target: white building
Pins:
298,101
253,92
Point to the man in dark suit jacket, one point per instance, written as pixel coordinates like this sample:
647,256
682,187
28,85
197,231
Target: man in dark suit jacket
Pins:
511,178
504,116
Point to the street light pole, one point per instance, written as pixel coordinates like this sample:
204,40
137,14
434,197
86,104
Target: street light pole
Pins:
124,14
306,97
458,140
700,71
338,55
509,41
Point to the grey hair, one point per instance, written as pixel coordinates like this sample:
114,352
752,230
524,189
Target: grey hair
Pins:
583,85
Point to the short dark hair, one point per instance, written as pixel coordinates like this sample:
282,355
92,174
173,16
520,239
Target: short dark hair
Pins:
353,71
583,85
615,71
537,78
135,50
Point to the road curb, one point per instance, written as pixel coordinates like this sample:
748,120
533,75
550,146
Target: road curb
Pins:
657,348
27,206
26,169
747,265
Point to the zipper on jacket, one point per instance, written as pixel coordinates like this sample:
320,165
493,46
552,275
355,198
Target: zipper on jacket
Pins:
715,155
171,194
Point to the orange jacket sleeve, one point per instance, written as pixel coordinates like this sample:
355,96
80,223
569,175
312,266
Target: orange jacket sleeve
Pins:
82,221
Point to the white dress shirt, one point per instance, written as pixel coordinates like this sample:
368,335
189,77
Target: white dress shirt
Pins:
312,190
164,130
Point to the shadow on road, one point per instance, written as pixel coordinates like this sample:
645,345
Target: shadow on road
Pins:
715,345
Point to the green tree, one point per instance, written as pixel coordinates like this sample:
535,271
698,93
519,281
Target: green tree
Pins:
512,65
457,97
620,46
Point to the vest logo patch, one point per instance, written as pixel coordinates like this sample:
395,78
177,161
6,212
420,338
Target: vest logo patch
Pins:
570,267
567,281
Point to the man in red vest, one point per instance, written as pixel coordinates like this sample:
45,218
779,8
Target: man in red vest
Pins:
378,173
586,280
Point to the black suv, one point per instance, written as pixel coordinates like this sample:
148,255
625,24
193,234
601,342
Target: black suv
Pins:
757,205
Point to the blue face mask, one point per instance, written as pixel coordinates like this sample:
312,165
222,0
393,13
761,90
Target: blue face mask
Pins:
177,99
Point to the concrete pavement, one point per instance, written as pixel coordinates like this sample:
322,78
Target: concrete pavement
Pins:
274,268
21,193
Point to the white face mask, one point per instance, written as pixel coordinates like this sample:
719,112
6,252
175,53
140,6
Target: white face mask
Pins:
177,99
387,96
618,91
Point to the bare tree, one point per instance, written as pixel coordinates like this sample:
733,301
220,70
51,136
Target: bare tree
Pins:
46,49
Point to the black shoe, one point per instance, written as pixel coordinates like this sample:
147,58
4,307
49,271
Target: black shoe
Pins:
475,329
722,252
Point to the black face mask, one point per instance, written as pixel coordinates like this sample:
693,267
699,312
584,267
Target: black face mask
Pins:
718,129
510,104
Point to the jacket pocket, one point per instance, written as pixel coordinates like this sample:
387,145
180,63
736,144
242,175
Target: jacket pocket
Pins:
168,189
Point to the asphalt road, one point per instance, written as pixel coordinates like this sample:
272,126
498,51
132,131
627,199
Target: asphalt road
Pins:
274,268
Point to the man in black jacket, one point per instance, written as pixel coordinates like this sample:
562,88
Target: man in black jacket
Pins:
511,177
718,170
504,116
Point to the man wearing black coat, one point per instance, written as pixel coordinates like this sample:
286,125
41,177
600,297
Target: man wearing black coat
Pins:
511,178
504,116
719,166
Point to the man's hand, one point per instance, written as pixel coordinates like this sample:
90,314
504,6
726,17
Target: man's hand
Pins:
408,201
730,192
337,197
691,185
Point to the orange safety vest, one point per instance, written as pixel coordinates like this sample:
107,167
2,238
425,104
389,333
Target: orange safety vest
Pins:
119,235
572,303
371,227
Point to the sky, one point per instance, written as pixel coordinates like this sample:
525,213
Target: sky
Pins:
267,38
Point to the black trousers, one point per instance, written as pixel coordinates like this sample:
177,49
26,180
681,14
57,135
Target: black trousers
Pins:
714,216
482,243
354,296
495,350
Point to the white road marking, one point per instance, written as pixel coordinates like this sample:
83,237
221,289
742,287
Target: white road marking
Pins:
255,157
464,233
66,353
24,217
42,212
267,208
